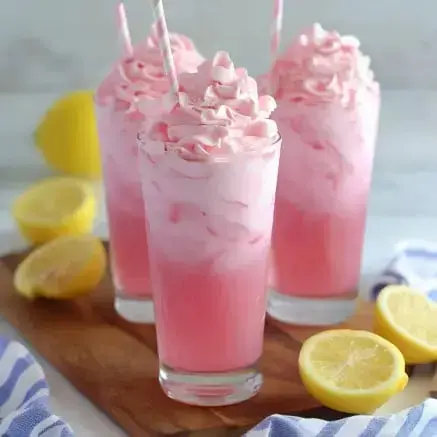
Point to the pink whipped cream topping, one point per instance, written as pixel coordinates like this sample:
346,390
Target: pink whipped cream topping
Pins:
219,112
322,66
142,75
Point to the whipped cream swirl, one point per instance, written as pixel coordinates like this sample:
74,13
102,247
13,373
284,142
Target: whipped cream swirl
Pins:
142,77
219,112
322,66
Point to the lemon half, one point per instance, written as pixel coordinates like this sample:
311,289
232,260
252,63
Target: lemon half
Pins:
408,319
351,371
55,207
64,268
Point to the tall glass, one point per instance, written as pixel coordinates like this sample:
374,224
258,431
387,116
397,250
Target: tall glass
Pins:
133,81
125,208
209,232
320,214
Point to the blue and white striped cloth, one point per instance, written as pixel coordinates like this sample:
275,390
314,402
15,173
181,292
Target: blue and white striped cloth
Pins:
414,263
420,421
24,396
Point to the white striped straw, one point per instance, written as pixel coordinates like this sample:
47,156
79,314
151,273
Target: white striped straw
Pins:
275,41
276,30
123,28
164,45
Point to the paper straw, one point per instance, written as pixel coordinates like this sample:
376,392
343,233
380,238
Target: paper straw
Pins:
123,28
275,40
276,30
164,45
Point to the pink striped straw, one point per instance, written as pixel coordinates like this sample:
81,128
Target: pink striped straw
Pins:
123,28
164,45
275,41
276,30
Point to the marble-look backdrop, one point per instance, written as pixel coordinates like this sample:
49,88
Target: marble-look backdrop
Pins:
52,45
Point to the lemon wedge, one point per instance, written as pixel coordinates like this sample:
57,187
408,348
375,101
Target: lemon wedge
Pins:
55,207
64,268
351,371
408,319
67,136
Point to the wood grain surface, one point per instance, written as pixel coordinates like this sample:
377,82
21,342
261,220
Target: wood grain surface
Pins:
114,363
433,388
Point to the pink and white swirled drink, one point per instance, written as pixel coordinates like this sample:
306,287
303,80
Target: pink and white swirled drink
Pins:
328,111
209,170
135,78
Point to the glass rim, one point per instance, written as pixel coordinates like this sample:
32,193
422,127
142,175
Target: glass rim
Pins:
141,137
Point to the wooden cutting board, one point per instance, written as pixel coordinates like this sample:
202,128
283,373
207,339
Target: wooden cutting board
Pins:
433,388
114,364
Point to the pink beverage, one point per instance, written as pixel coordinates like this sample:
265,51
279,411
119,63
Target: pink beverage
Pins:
209,179
328,111
119,120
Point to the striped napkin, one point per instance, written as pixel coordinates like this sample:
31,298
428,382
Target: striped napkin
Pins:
420,421
414,263
24,396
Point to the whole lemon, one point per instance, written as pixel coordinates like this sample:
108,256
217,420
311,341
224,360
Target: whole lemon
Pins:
67,136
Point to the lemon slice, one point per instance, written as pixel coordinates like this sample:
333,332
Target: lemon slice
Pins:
67,136
64,268
55,207
351,371
408,319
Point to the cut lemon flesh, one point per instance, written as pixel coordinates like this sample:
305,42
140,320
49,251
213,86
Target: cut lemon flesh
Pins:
64,268
351,371
408,319
55,207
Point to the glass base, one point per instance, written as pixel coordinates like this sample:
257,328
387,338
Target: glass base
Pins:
310,312
135,310
210,389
